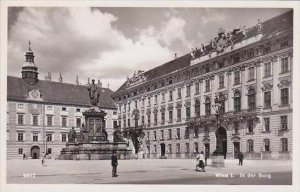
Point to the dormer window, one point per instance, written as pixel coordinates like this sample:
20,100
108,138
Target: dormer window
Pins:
64,109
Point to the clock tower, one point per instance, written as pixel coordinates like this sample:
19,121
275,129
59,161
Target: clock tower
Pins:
29,69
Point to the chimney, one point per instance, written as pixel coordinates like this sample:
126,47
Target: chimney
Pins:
48,77
60,79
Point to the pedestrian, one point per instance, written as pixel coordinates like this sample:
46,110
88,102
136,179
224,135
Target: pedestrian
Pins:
202,161
241,157
43,159
114,164
24,156
197,160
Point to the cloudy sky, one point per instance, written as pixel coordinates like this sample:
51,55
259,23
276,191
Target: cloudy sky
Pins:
111,43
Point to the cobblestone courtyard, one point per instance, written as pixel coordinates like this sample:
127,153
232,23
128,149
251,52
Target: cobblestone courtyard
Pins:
148,171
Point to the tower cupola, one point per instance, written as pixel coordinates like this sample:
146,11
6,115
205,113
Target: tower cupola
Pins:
29,69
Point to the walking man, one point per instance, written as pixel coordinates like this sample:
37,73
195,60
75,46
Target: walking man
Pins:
241,157
114,164
43,159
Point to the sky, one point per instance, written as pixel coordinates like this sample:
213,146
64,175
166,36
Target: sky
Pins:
110,43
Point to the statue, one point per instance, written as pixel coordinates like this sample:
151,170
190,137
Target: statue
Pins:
72,135
259,26
117,136
94,93
84,133
104,132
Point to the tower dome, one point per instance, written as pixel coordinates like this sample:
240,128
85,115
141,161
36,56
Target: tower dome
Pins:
29,69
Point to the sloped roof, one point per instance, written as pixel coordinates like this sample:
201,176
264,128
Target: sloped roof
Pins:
58,93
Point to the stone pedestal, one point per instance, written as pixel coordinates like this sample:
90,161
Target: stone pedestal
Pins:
217,161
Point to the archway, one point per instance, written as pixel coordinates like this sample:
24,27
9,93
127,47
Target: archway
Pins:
221,137
162,149
35,152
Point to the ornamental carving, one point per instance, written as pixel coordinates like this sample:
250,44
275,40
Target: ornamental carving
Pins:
253,87
155,110
274,58
162,108
187,103
124,116
170,107
237,89
267,86
138,77
148,111
284,83
178,105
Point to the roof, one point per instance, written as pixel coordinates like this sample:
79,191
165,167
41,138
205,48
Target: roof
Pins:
58,93
275,24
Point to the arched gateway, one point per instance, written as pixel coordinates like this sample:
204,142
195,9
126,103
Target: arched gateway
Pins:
221,138
35,152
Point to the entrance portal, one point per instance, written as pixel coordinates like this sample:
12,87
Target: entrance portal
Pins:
221,137
162,149
236,149
206,150
35,152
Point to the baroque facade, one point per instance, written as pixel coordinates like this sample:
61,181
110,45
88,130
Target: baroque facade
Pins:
40,113
248,72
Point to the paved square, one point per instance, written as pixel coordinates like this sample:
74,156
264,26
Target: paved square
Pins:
149,171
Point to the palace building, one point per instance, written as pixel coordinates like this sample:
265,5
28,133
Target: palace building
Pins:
40,113
234,93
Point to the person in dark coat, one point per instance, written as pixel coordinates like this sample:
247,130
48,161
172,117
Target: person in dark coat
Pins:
241,157
114,164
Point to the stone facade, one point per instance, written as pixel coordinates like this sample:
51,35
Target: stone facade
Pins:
253,80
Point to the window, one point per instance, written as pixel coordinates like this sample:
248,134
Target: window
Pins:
64,121
78,122
187,133
155,118
267,69
267,124
196,147
251,99
114,112
35,120
236,77
237,102
196,132
155,148
162,134
267,50
221,81
197,88
20,106
283,122
284,44
170,82
170,148
207,85
148,136
178,133
206,131
188,91
178,115
115,124
128,122
188,112
64,109
49,151
49,120
170,95
250,145
284,144
187,147
149,119
64,137
49,107
250,55
35,137
250,125
236,59
267,99
20,137
143,120
49,137
124,122
77,110
155,100
20,151
162,118
170,116
149,101
136,103
197,108
236,127
284,95
163,97
178,147
154,135
284,65
207,107
20,119
251,74
179,93
266,144
170,134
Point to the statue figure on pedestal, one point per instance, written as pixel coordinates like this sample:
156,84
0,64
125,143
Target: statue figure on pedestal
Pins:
118,137
94,93
72,135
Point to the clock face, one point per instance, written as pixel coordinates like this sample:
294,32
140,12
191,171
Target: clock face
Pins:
35,93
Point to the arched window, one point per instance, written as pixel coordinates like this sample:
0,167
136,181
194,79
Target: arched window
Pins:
197,108
237,101
207,107
251,99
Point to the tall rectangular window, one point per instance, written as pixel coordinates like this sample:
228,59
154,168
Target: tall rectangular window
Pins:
251,74
236,126
267,99
35,137
178,147
284,95
64,137
149,101
197,88
78,122
267,69
20,137
178,133
155,118
207,85
20,119
284,65
149,119
49,120
250,124
179,93
187,147
188,112
162,118
64,121
170,148
250,145
128,122
170,134
155,99
284,144
170,116
20,151
283,122
49,137
162,134
35,120
267,124
188,91
154,135
267,144
170,95
178,114
237,77
163,97
221,81
143,120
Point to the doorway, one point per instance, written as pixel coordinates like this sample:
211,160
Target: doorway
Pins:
35,152
206,150
221,137
162,149
236,146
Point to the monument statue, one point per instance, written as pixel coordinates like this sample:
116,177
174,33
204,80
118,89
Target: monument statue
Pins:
104,132
117,136
94,93
72,135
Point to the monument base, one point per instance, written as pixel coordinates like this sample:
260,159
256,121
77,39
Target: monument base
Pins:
217,161
95,151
